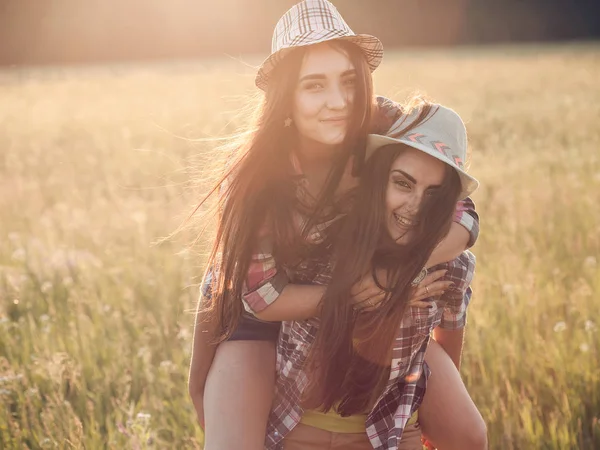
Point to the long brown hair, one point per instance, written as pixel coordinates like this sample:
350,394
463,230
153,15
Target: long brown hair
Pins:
349,363
257,191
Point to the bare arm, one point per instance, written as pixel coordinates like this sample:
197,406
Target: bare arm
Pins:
450,332
451,247
203,353
296,302
451,341
462,235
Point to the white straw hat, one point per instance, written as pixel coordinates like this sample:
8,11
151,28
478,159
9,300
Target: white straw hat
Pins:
312,22
442,135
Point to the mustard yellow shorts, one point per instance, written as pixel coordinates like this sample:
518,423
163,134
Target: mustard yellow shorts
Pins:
305,437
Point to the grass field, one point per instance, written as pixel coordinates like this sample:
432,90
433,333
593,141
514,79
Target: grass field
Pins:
97,164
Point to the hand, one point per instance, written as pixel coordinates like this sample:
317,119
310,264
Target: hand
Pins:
429,287
366,295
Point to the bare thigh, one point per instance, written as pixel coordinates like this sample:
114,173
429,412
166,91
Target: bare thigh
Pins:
449,419
238,395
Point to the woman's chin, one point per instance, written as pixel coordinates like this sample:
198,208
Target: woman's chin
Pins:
333,138
401,237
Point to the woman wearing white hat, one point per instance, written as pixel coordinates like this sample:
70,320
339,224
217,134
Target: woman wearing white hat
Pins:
353,378
315,117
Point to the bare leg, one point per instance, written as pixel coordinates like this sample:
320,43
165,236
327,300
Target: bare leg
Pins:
238,395
449,418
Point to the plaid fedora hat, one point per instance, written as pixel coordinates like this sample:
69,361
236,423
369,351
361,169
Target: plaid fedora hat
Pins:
311,22
442,135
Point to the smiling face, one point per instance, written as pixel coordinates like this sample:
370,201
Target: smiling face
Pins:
323,96
413,177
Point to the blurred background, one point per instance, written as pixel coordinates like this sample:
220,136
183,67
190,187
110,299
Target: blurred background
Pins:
112,120
67,31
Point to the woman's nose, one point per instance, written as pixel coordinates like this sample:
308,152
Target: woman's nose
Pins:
414,203
337,98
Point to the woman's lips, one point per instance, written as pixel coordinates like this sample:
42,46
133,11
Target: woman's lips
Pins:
335,120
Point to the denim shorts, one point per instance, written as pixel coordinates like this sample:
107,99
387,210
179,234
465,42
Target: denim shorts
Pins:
252,329
249,327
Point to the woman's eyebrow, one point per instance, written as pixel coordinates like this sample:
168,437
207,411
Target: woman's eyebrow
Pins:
321,76
313,76
410,178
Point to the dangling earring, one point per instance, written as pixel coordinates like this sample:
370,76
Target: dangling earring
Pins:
287,122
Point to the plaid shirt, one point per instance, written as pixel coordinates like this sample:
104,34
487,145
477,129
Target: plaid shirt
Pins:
266,280
405,389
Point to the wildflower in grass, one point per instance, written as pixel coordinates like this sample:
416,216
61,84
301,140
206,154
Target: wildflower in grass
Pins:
184,334
10,379
143,417
560,327
139,217
14,282
589,326
44,318
47,443
144,353
32,392
584,348
590,263
167,366
67,282
46,287
19,255
507,288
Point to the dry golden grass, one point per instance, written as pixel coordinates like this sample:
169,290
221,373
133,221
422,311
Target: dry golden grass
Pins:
96,164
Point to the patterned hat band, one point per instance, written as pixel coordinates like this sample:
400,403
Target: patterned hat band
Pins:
441,135
313,22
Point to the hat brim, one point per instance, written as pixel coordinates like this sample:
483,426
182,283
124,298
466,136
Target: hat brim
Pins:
370,46
376,141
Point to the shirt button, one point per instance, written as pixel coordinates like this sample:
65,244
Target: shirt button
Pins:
276,433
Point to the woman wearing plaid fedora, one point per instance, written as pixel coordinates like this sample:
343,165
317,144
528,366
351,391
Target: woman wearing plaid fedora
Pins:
290,182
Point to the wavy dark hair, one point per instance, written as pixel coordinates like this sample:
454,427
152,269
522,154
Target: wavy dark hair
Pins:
260,193
349,364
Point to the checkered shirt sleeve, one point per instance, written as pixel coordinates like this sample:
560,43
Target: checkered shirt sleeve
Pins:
457,298
466,216
385,114
265,280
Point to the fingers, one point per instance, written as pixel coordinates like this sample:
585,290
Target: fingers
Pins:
368,301
420,303
433,290
433,276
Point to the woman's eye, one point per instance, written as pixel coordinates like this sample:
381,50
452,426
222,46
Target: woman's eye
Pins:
402,183
349,82
313,86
